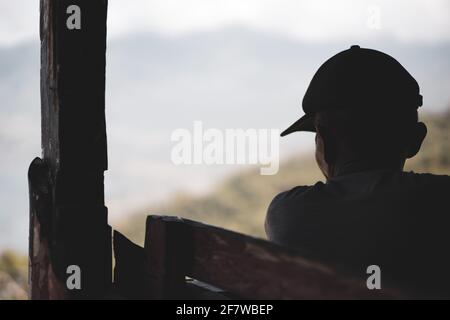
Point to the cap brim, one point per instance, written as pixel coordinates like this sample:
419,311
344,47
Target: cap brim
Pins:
305,123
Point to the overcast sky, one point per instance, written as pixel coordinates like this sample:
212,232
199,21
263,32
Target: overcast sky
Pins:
406,20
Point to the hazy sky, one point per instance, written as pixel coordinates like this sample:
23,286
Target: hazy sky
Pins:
315,20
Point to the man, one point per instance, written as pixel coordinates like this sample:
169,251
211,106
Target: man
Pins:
363,104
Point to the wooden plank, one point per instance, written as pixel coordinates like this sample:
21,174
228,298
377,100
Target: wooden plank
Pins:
43,283
136,278
74,151
130,272
253,268
167,259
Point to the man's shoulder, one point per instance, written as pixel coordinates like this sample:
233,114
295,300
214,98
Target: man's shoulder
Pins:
423,180
295,193
281,210
425,176
400,182
397,180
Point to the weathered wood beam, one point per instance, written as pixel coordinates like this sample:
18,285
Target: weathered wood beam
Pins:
167,258
243,266
130,272
68,219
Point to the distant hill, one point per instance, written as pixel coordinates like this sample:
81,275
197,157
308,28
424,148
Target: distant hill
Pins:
241,201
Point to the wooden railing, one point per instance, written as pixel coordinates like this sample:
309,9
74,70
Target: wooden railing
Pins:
229,264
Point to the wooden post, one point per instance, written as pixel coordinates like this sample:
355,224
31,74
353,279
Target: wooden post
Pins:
68,219
168,251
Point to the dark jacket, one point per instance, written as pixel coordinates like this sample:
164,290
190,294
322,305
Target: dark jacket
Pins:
397,220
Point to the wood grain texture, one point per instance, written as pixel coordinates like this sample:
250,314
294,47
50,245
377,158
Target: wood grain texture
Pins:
251,268
74,152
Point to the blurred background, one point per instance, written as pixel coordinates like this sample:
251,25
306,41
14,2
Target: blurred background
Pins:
229,63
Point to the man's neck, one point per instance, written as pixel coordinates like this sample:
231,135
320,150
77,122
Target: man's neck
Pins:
356,166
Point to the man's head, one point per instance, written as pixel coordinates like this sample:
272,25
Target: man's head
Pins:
366,140
362,104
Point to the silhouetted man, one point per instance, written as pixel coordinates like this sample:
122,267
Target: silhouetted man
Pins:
363,104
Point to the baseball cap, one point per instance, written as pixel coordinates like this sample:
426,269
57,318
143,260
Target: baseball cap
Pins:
358,78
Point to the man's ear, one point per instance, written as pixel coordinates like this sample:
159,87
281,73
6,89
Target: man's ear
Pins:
329,145
418,135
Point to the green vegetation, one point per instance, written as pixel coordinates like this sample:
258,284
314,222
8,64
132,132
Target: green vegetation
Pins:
434,156
241,201
13,276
